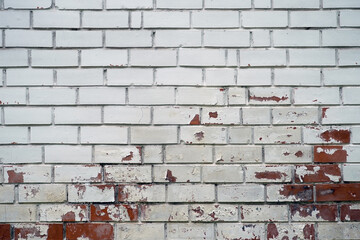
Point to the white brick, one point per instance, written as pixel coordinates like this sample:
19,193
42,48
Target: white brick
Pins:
261,38
178,76
142,193
215,19
240,135
277,135
203,135
59,212
240,193
77,173
117,154
189,230
254,58
264,213
338,230
52,96
27,115
341,115
351,172
296,38
268,96
13,135
220,77
42,193
220,4
349,57
351,95
27,174
136,20
129,4
236,230
166,19
237,96
125,174
12,96
128,39
201,57
175,4
78,39
127,115
226,38
251,116
79,4
109,19
292,115
77,115
341,4
165,212
7,194
177,174
15,19
17,213
343,37
104,135
175,115
51,58
20,154
264,19
352,151
26,38
105,95
268,173
153,135
237,154
100,57
316,96
153,154
303,19
213,213
67,154
150,231
21,4
188,154
200,96
151,96
78,77
191,193
296,4
232,58
342,76
221,116
349,18
262,3
13,58
91,193
178,38
297,77
222,174
312,57
56,19
254,77
29,77
129,76
163,57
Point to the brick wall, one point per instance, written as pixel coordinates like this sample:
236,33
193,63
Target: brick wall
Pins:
180,119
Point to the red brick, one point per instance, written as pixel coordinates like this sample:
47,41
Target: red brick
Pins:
286,231
313,212
317,173
329,154
350,212
337,135
93,231
39,231
5,232
290,193
117,212
338,192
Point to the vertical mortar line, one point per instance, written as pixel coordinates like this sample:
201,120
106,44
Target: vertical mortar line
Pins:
2,4
52,116
78,135
322,77
236,73
79,58
105,79
190,19
3,38
337,19
102,115
128,58
126,96
29,135
202,40
321,38
81,13
337,57
43,154
77,96
53,35
128,135
154,76
153,34
272,76
27,95
271,39
31,19
29,58
151,115
2,116
341,96
103,38
226,56
92,153
251,44
321,4
203,77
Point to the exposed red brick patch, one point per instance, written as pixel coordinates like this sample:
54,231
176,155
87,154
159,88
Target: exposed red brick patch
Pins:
93,231
329,154
299,154
170,177
338,192
270,175
195,120
213,114
272,231
317,173
128,157
54,232
309,232
15,177
133,211
71,216
323,212
5,232
300,192
103,213
350,212
341,136
140,150
198,210
199,135
123,195
272,98
323,112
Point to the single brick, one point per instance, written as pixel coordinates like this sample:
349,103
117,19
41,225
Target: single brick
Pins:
75,231
189,230
129,4
174,4
163,19
216,115
326,135
63,213
138,174
268,173
222,174
7,194
109,19
239,231
231,4
106,58
291,231
126,115
38,231
20,4
117,154
213,213
17,213
316,96
241,193
77,115
203,135
200,96
337,192
5,231
350,212
56,19
240,135
32,193
297,77
262,58
129,76
338,230
29,77
215,19
256,116
313,212
27,174
77,173
79,77
20,154
277,135
176,174
175,115
91,95
152,96
295,115
201,57
317,173
177,38
306,19
91,193
267,96
341,115
238,154
152,154
68,4
104,135
67,154
264,213
149,231
330,154
153,135
117,213
351,172
141,193
290,193
164,213
264,19
188,154
191,193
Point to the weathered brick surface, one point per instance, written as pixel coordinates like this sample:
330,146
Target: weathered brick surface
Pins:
179,119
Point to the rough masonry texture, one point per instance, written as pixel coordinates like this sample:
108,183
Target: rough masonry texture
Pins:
180,119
